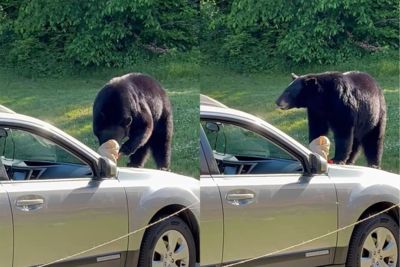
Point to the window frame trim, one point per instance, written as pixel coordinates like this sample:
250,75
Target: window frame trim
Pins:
57,139
262,131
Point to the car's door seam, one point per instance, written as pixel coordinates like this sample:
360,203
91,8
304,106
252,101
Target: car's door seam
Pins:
337,218
223,219
128,220
12,221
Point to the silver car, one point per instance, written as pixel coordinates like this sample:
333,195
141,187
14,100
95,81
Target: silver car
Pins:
266,197
59,198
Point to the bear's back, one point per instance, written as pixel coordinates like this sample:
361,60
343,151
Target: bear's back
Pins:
127,92
362,82
369,99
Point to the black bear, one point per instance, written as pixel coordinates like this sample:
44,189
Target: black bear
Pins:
135,107
351,104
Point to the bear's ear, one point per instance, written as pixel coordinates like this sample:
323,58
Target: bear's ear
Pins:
294,76
311,81
127,122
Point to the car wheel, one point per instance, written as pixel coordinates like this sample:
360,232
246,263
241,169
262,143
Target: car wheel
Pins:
375,243
169,243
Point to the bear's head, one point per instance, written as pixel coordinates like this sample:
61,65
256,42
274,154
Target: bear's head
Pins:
299,92
112,129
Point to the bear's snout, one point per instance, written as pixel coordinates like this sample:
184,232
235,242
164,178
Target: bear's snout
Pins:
282,103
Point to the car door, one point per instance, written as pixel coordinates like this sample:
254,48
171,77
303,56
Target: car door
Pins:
58,209
6,229
211,216
268,202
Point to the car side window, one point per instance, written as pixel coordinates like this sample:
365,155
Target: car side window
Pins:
27,156
238,151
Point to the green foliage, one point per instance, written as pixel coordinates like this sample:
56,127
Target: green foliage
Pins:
247,35
94,32
298,32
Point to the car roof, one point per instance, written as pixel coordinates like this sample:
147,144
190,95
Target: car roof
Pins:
4,109
210,105
208,101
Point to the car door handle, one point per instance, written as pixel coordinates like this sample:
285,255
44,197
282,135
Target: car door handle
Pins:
235,196
29,204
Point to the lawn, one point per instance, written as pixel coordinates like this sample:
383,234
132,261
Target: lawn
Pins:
256,94
66,102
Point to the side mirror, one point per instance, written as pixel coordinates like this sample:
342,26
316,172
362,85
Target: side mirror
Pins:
3,133
318,164
107,168
212,127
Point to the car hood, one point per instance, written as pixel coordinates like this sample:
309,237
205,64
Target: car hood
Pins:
362,175
157,178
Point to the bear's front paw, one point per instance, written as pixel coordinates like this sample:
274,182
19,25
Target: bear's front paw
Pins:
340,162
125,150
374,166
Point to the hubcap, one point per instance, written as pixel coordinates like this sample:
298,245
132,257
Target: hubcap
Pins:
171,250
379,249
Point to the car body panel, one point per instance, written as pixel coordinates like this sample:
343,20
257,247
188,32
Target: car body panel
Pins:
6,230
148,191
4,109
212,234
283,209
212,228
77,214
359,188
208,101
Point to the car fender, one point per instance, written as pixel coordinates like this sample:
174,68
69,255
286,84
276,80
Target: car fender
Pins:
356,193
148,193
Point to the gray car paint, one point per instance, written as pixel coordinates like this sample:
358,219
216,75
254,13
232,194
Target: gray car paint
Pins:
6,230
280,215
357,189
77,214
148,191
212,227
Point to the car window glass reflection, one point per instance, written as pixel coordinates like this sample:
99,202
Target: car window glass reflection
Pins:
27,156
241,151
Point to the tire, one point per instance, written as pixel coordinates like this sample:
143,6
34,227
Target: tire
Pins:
156,247
365,245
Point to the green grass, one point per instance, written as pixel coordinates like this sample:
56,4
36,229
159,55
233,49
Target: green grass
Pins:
66,102
256,94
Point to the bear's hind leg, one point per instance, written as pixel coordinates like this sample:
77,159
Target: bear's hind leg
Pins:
354,152
343,145
138,159
373,146
160,143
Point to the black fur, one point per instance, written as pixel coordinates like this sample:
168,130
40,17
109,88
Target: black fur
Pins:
135,106
351,104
